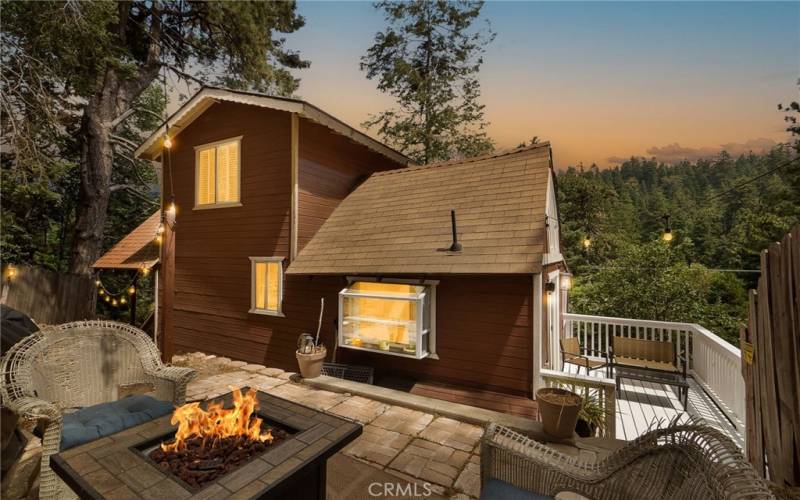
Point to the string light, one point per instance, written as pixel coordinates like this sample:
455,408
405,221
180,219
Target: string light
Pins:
108,299
172,209
114,302
131,290
144,270
101,292
123,300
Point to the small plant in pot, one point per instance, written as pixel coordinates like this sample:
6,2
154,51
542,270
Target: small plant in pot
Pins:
310,351
559,411
591,416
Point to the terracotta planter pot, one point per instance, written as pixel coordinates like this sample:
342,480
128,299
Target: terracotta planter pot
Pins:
311,364
559,411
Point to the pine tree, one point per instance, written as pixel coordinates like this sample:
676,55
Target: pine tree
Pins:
75,73
428,59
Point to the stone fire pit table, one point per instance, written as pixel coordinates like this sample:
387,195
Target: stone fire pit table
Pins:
117,466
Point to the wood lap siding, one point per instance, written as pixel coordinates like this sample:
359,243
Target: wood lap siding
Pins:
330,166
212,291
212,275
483,336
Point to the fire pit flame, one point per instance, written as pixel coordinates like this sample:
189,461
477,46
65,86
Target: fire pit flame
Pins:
217,423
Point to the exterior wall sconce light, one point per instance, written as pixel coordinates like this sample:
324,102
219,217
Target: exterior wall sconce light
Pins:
550,287
566,281
11,272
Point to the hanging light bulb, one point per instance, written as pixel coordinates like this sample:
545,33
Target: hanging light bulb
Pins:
97,282
114,302
123,300
108,299
131,290
145,271
587,241
11,272
160,229
101,292
167,142
172,209
667,234
159,239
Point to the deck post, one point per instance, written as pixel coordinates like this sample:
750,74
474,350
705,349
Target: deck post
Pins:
168,303
536,340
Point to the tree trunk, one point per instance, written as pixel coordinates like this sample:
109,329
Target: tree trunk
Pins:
95,182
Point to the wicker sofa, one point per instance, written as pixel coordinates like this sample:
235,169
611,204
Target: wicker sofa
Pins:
681,461
76,365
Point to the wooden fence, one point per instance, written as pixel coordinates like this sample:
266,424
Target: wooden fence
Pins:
771,364
47,297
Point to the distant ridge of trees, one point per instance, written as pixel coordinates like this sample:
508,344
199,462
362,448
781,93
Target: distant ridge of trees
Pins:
623,209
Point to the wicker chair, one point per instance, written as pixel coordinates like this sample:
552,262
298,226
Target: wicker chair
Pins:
80,364
682,461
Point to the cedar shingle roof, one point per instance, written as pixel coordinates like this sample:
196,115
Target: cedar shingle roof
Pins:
395,222
135,250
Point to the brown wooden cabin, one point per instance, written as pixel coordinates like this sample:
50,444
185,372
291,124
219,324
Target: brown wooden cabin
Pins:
280,204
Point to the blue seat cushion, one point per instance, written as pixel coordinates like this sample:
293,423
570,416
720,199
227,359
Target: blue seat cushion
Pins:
104,419
496,489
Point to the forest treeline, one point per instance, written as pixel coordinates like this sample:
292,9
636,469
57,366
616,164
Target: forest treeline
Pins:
719,221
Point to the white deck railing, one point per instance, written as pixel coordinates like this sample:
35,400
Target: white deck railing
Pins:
714,363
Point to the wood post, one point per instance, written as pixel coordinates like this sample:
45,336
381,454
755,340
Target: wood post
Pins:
135,284
168,288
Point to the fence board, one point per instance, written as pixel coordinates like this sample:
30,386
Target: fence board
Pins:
50,298
772,381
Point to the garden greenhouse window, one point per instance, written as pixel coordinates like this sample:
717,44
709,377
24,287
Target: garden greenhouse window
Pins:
394,318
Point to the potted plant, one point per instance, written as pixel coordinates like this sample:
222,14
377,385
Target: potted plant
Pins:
559,411
591,416
310,352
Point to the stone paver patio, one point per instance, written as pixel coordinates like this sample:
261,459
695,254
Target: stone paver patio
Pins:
412,445
397,442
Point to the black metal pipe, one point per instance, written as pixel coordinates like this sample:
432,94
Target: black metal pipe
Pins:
456,246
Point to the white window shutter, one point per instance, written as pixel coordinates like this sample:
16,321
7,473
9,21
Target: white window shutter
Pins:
206,176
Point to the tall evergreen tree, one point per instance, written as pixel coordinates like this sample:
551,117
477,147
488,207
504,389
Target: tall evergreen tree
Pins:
82,68
428,59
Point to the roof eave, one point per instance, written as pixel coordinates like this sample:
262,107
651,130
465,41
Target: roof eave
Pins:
207,96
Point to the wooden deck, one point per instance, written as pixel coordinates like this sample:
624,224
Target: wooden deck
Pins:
642,405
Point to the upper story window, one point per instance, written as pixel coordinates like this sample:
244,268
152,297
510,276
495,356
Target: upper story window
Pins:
266,295
390,318
218,174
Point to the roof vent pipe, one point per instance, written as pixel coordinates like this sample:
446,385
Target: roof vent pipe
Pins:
456,246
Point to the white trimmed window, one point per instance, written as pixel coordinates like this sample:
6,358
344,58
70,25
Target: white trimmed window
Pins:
396,318
218,174
266,294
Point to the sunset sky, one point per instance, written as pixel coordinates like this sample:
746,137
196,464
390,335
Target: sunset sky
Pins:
601,81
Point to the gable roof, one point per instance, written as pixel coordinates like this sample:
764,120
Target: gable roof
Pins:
397,221
207,96
137,249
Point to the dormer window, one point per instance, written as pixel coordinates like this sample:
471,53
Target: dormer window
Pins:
218,174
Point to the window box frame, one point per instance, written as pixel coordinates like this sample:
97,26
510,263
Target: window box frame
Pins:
253,308
209,145
428,297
